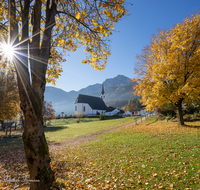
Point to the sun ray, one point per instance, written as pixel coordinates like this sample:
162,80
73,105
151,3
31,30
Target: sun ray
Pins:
14,51
20,76
21,60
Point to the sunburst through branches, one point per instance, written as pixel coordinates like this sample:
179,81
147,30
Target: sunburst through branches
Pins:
7,50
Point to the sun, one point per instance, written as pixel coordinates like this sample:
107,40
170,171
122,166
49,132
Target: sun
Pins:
7,50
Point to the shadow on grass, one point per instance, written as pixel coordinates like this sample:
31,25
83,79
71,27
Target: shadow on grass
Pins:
152,122
53,143
85,120
110,118
11,142
53,128
191,126
193,120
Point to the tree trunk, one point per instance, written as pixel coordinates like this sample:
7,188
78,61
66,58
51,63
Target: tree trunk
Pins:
32,92
35,145
180,111
37,153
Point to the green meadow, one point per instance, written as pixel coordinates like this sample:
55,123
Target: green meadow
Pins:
149,155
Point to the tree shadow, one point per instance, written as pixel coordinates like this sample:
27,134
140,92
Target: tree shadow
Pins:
193,120
53,128
112,117
152,122
191,126
55,143
12,142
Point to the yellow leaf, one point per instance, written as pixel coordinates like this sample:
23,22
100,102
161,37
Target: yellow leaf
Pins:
118,9
78,16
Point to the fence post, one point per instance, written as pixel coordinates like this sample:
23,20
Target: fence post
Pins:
10,129
6,128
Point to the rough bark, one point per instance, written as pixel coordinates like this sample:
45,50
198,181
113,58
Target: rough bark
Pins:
180,111
35,145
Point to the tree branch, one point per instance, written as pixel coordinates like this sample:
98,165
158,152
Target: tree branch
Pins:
79,21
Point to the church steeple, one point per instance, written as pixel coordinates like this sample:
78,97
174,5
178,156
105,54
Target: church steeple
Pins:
102,95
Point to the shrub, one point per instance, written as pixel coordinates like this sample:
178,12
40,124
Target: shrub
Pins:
102,116
168,118
79,115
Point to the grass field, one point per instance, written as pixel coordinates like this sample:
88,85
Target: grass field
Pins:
86,127
150,155
62,129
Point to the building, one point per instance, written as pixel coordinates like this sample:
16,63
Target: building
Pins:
111,111
140,111
91,105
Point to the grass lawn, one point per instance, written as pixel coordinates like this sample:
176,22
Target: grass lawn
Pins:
62,129
150,155
72,129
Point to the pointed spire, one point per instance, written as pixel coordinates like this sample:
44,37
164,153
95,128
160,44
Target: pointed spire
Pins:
102,95
102,90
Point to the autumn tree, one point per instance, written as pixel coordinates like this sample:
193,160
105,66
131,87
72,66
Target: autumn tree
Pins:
168,69
48,111
9,97
133,103
37,29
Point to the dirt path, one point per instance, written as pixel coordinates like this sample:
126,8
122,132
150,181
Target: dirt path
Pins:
78,140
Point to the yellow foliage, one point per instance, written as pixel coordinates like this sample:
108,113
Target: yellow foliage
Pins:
77,23
168,69
78,16
9,98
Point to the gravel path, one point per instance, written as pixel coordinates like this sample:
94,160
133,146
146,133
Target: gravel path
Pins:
78,140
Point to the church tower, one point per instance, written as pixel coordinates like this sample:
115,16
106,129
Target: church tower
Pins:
103,95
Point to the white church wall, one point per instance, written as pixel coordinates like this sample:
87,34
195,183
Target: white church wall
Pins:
94,112
83,108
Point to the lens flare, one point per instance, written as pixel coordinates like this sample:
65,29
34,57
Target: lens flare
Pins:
7,50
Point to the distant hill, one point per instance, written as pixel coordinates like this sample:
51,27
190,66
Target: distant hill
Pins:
117,88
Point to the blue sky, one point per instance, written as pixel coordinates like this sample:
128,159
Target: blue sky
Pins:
146,17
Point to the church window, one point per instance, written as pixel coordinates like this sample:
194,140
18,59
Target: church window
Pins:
75,108
84,108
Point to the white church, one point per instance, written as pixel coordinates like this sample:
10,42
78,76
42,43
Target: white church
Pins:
91,105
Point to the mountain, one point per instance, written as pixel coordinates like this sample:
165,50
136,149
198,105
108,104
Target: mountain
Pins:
117,88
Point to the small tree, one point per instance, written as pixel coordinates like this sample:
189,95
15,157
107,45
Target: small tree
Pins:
48,111
79,115
102,116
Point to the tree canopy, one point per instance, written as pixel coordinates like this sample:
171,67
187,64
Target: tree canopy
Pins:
73,24
133,104
9,97
168,68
